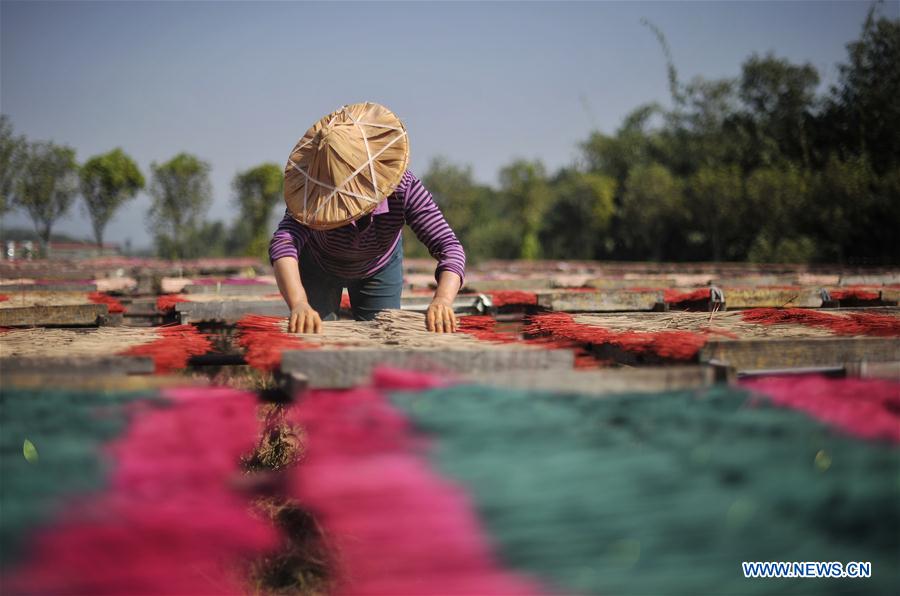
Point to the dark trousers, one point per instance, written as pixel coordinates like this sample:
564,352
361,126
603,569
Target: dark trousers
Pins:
368,296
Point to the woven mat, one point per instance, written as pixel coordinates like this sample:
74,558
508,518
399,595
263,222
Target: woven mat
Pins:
726,324
48,343
29,298
400,330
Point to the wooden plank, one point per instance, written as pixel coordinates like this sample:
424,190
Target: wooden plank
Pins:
79,365
43,270
603,283
601,382
490,285
60,286
231,289
773,354
88,381
462,305
871,279
347,368
875,370
229,311
601,301
890,296
73,314
807,297
755,280
140,306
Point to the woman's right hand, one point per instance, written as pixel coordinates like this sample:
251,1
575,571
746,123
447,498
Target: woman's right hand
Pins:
304,319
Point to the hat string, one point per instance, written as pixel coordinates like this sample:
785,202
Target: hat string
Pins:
339,187
328,186
371,161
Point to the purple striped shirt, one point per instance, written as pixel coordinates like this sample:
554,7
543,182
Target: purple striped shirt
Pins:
363,247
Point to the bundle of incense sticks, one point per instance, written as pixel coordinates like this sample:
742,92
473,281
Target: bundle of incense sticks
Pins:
485,328
166,302
755,323
173,347
264,338
39,342
425,487
727,324
675,297
850,323
501,298
100,298
855,293
866,408
170,346
167,519
665,344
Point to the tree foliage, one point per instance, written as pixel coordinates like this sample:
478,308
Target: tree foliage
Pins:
182,194
107,182
758,166
652,208
473,210
47,184
863,110
755,167
11,149
256,192
587,198
525,196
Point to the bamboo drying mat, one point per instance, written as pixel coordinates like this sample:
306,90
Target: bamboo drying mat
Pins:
50,343
725,324
395,329
29,298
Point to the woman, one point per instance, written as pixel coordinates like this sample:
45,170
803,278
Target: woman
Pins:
348,194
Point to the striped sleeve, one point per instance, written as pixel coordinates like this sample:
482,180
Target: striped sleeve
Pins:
288,239
426,220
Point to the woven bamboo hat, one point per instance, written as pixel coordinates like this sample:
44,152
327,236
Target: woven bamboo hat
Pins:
345,165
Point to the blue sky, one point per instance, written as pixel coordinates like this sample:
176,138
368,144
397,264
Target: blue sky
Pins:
237,83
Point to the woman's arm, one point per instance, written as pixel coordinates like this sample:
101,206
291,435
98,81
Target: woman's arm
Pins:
440,316
426,220
284,253
303,319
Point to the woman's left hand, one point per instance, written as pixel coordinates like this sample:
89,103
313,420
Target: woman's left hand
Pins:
440,317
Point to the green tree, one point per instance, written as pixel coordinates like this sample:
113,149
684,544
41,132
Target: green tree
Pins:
47,185
471,209
706,132
863,107
632,144
11,148
181,193
843,198
715,197
577,223
884,219
455,192
257,191
207,239
652,207
779,200
779,97
525,195
107,182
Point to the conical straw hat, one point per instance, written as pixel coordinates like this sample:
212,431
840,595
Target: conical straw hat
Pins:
345,165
